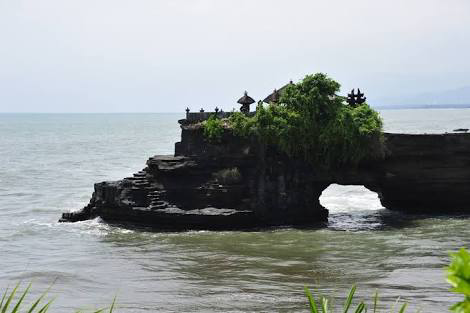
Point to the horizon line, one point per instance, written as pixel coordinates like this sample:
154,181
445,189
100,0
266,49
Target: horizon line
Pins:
440,107
129,112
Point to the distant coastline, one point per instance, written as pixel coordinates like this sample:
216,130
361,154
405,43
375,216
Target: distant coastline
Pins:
422,106
378,107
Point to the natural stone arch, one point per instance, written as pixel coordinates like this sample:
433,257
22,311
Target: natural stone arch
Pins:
356,197
426,173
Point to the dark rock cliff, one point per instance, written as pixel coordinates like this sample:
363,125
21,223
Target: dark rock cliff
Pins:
238,184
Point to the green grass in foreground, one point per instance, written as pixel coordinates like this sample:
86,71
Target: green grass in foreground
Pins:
38,306
458,275
361,307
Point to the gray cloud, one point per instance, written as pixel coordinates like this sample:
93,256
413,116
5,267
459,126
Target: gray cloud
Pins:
164,55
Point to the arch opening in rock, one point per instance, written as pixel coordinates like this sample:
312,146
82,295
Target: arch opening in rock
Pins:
349,198
352,207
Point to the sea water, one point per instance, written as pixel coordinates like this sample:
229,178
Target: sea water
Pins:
49,163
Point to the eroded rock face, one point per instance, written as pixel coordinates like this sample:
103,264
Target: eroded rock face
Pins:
238,184
426,173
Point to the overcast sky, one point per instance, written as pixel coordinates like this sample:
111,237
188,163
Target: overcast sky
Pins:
165,55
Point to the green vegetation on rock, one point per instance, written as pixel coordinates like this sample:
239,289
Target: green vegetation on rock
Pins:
228,176
312,123
213,128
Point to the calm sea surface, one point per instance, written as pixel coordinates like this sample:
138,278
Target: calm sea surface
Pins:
49,163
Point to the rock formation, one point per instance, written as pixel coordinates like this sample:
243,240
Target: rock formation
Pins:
238,184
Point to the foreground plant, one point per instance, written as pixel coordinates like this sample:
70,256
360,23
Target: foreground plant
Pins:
7,300
361,307
458,275
8,305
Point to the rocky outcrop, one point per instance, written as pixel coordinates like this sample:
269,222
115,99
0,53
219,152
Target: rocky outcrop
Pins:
237,184
426,173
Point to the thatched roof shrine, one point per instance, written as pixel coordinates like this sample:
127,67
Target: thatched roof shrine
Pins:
276,94
246,99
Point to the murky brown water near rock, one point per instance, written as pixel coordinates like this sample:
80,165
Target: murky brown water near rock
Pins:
50,162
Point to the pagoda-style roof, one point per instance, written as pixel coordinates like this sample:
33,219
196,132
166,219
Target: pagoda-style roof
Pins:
276,94
246,99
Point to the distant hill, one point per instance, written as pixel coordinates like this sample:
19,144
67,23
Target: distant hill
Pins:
455,98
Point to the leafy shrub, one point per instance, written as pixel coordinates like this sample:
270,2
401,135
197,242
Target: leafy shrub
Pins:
241,125
458,275
228,176
213,128
312,123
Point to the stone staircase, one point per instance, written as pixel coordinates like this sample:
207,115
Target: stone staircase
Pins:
156,198
139,180
145,193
